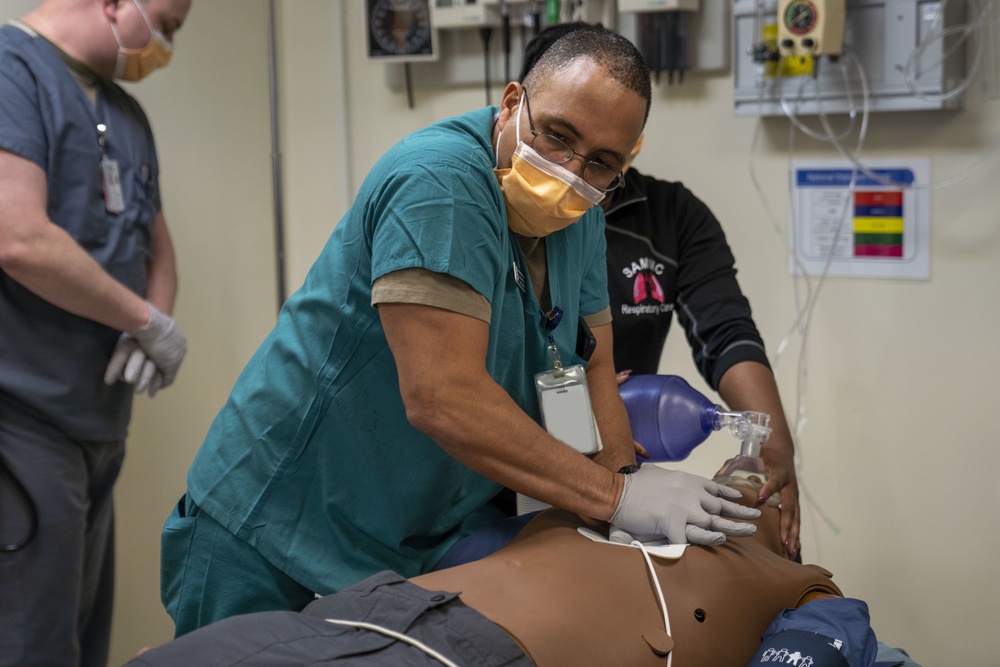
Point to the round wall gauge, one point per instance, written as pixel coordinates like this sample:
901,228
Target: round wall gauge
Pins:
800,17
400,30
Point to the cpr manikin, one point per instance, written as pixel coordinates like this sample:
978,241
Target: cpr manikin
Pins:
567,600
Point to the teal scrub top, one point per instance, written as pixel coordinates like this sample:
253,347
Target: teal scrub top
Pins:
312,460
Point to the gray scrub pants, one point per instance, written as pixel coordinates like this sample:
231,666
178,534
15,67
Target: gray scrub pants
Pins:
266,639
56,588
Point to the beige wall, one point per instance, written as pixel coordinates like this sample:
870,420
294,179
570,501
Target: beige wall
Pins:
901,375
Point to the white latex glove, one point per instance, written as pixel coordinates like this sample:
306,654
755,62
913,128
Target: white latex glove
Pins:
657,503
131,365
163,343
148,357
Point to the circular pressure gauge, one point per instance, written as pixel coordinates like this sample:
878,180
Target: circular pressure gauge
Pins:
400,30
800,17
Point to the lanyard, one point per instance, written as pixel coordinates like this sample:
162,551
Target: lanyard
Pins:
114,200
552,320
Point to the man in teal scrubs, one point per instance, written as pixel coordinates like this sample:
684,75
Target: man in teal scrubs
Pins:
395,396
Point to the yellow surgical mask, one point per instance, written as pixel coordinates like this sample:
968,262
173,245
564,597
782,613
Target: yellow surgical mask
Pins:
136,64
542,197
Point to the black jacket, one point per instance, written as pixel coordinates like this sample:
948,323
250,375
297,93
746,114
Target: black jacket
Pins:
666,253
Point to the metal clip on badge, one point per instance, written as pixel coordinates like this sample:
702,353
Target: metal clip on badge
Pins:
552,320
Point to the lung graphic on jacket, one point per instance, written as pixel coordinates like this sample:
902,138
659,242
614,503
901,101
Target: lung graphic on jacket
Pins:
645,286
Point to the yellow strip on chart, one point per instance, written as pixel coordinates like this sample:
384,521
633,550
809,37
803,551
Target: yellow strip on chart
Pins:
878,225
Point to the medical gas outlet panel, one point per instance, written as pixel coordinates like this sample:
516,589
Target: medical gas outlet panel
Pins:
479,42
677,35
843,56
810,27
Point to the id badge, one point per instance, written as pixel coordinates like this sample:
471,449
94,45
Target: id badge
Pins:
114,202
564,401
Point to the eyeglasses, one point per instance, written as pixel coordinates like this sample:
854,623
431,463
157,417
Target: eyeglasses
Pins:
555,150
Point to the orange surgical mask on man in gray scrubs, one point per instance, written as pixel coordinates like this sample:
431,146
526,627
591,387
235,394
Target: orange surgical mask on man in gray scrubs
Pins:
136,64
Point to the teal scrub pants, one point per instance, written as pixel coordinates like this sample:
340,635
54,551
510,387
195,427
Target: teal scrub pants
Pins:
208,574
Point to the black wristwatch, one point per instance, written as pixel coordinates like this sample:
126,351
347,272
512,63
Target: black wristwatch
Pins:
628,470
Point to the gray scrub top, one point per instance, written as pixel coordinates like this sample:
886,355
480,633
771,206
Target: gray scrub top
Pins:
52,360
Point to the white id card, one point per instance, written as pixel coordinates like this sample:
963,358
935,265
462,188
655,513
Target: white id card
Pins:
114,202
564,401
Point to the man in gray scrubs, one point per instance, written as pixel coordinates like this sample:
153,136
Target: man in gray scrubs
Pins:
87,282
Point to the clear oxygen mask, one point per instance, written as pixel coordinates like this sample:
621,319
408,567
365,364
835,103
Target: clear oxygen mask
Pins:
746,469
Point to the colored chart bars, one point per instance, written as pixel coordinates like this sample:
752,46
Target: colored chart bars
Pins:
878,223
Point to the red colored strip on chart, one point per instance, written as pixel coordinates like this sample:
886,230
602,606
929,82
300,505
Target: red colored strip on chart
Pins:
872,198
